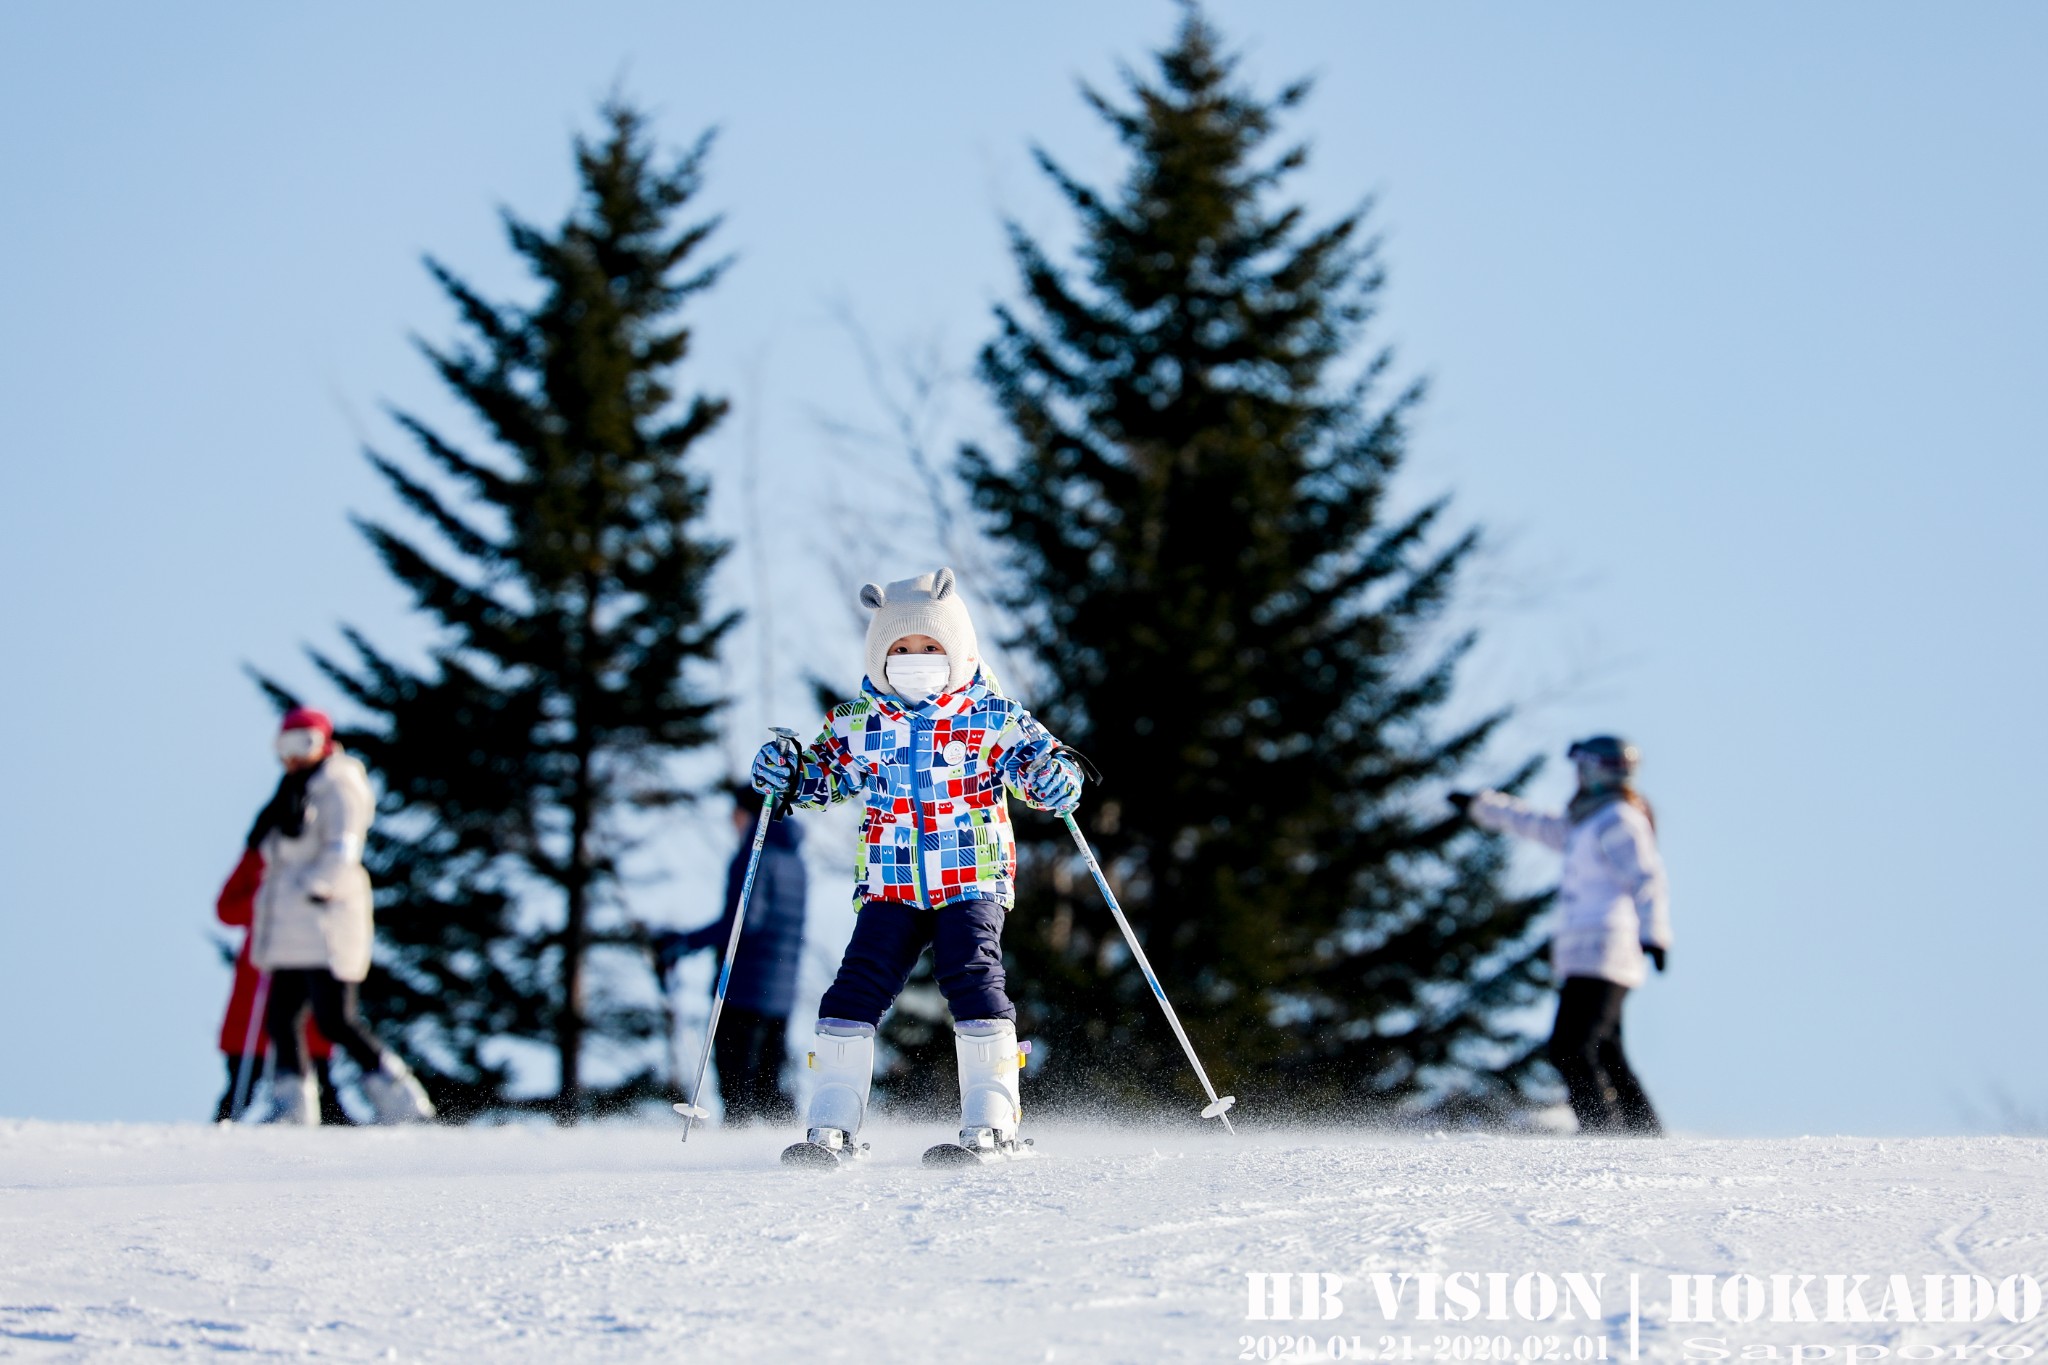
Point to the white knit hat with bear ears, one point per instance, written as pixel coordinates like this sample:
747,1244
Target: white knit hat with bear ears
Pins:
926,605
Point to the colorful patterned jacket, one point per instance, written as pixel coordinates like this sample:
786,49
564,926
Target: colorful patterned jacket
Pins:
933,774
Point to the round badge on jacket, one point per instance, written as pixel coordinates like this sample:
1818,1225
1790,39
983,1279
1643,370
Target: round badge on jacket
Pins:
955,753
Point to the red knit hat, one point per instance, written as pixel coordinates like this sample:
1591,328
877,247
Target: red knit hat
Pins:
306,718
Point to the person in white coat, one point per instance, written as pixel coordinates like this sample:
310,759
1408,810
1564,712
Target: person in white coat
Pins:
1614,918
312,924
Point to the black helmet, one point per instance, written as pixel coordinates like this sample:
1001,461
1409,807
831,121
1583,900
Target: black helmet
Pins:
1604,759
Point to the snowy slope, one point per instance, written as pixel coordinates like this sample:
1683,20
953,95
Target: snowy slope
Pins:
620,1244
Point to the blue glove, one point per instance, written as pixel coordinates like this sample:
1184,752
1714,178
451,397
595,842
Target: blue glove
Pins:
1052,784
774,771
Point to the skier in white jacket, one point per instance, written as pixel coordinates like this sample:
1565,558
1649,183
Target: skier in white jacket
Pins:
1614,914
312,925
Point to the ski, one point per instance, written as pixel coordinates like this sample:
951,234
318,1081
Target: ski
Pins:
812,1155
953,1154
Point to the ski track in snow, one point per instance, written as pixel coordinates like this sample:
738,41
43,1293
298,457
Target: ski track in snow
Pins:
620,1243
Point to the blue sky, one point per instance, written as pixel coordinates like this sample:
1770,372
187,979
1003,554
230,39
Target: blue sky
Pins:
1734,316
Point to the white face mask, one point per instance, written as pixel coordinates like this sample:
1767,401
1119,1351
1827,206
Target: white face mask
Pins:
917,676
293,744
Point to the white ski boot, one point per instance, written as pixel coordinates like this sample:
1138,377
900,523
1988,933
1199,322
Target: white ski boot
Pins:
990,1110
845,1062
396,1094
294,1100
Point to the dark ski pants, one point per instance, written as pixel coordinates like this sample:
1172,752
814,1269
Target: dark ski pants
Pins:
966,939
331,1111
1585,1047
295,989
750,1049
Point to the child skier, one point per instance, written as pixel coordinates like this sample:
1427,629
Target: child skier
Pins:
1615,912
932,745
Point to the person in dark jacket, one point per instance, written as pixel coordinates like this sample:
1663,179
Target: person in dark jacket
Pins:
753,1029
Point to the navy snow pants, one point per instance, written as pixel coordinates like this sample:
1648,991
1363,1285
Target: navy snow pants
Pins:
749,1050
966,939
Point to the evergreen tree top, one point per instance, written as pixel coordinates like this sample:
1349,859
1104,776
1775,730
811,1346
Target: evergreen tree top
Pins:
594,567
1186,430
1199,289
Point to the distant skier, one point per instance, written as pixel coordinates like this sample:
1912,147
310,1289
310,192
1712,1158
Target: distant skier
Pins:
932,746
312,930
236,907
1615,912
753,1030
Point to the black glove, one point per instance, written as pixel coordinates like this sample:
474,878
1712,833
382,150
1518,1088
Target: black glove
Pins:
669,949
1655,954
1461,802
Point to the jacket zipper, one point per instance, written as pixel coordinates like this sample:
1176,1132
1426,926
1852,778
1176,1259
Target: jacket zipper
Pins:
924,899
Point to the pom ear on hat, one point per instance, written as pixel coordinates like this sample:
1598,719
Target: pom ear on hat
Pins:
871,595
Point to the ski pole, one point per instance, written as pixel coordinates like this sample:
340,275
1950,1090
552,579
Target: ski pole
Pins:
1217,1108
770,810
257,1002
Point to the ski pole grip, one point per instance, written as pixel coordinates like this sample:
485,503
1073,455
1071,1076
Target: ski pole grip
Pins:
786,740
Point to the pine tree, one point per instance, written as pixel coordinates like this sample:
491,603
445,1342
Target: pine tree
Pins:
559,686
1232,622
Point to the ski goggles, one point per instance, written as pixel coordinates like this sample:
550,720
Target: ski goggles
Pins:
300,744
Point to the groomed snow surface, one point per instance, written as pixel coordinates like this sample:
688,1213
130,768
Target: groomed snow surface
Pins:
619,1243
